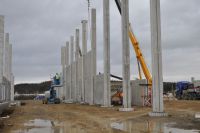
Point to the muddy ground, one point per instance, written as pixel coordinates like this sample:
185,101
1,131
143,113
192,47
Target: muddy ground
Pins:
76,118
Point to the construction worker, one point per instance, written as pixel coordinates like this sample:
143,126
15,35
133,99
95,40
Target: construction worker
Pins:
57,79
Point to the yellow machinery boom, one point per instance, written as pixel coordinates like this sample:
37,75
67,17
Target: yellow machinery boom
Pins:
139,56
138,52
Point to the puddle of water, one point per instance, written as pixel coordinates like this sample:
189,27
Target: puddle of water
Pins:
47,126
137,126
40,126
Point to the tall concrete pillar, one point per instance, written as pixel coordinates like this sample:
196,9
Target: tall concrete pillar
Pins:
63,64
156,49
1,47
71,61
10,63
126,57
6,57
67,53
72,49
93,46
84,36
106,36
84,51
1,54
12,87
76,60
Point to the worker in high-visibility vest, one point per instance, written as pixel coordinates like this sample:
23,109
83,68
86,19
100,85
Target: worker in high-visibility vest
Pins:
57,79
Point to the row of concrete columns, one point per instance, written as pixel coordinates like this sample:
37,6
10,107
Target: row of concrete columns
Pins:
6,76
156,53
68,56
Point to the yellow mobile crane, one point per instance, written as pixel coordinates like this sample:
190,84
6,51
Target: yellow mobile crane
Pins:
139,56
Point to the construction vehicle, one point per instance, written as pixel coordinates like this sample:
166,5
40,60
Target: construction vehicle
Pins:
117,98
117,95
186,91
140,60
50,95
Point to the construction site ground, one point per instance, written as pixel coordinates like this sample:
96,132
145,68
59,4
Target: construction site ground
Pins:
35,117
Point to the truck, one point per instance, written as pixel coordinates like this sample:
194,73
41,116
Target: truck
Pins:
186,91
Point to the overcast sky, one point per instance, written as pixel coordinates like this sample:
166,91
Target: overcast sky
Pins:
38,28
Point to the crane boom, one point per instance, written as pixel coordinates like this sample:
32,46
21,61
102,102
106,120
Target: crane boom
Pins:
137,49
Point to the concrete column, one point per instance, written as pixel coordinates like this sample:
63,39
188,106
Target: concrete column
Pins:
12,87
93,46
71,61
76,59
67,65
156,49
84,51
67,53
10,63
126,56
1,54
63,64
1,47
106,36
84,36
72,49
6,57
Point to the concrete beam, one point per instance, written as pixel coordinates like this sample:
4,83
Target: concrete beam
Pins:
156,49
106,38
126,55
84,51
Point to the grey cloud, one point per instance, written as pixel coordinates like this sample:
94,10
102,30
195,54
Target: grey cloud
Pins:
39,28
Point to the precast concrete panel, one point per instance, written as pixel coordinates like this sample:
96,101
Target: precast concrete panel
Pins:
12,87
73,89
7,88
98,89
88,78
68,82
139,91
79,89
